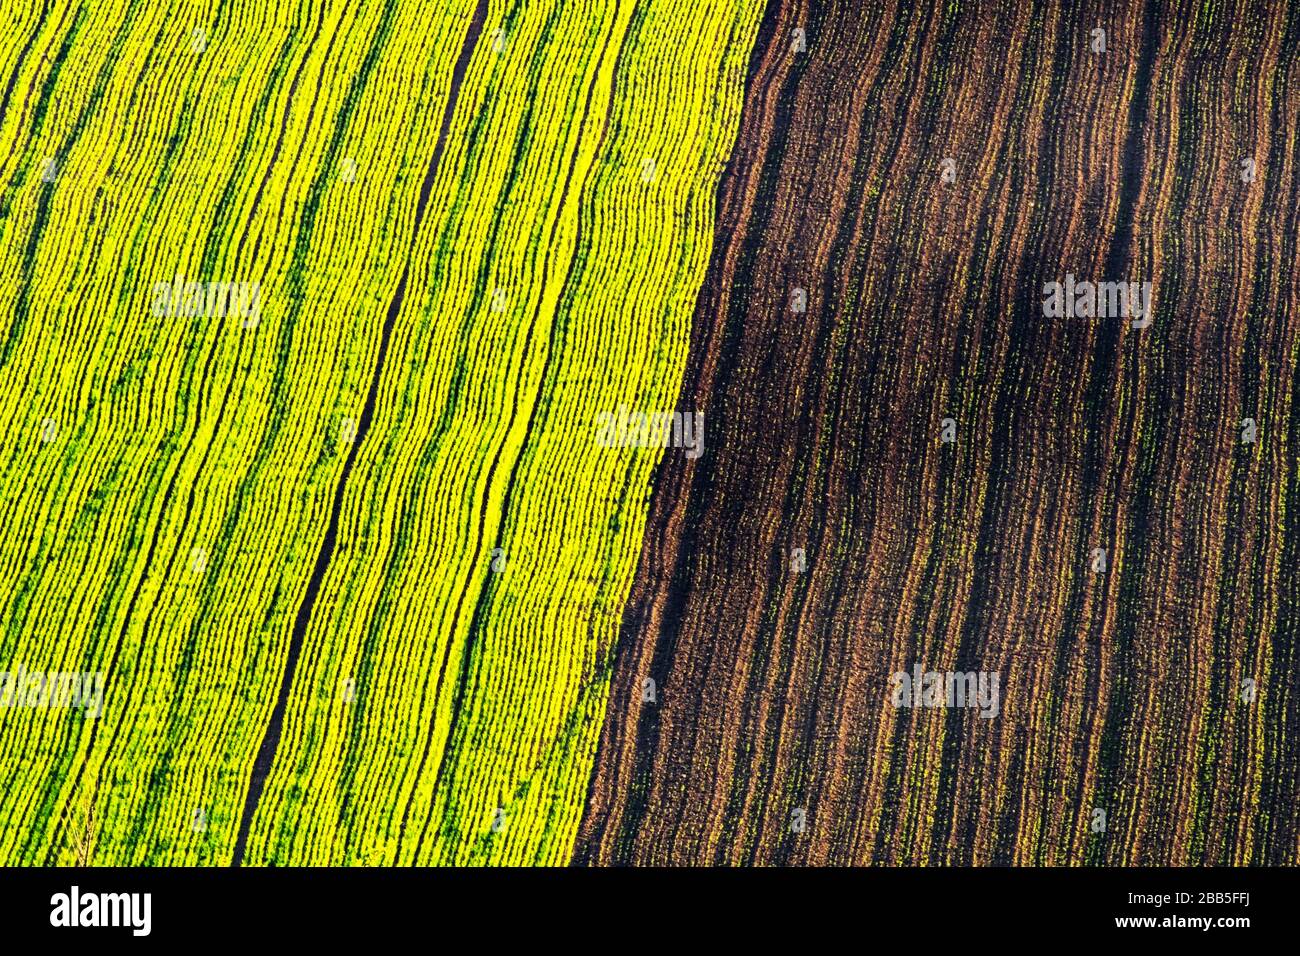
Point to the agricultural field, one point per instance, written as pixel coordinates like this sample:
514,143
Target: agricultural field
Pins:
922,465
308,311
748,432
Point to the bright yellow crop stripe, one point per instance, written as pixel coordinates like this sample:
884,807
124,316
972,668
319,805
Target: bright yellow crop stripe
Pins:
166,481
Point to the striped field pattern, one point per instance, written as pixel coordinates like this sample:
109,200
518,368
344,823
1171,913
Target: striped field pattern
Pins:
311,314
1150,699
350,566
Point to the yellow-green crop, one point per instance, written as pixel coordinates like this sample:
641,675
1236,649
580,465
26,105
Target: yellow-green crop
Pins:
309,312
